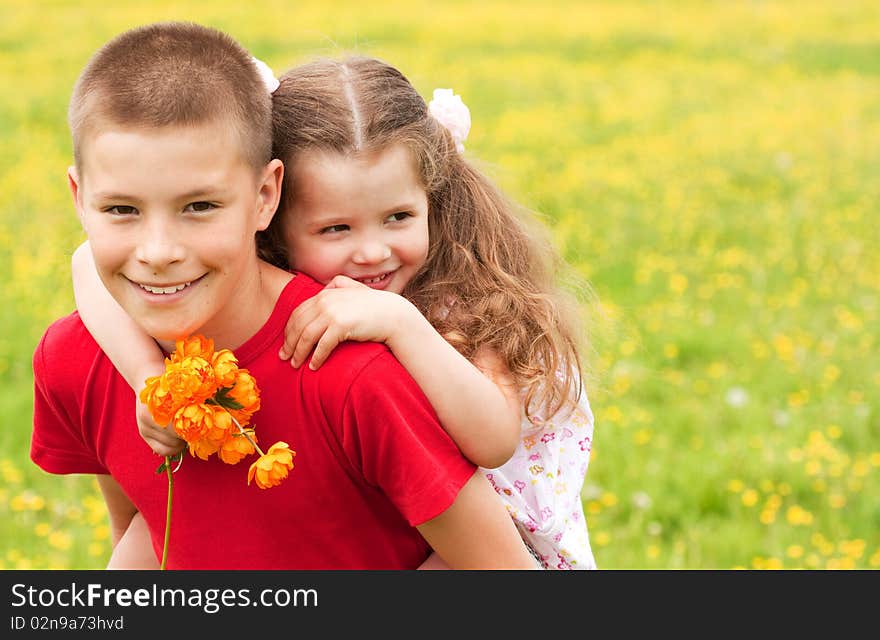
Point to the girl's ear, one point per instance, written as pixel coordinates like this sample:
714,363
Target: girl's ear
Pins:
270,193
73,182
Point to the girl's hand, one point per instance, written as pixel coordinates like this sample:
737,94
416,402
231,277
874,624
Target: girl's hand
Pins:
344,282
163,441
344,310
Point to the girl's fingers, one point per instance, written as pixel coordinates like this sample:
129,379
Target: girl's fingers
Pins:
308,338
339,282
299,319
163,449
162,440
331,337
311,320
291,334
162,436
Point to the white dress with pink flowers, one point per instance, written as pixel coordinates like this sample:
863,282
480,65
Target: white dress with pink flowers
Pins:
541,486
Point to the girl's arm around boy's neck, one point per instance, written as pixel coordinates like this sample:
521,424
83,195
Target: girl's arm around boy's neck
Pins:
134,354
478,405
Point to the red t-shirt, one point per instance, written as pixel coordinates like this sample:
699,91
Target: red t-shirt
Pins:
372,461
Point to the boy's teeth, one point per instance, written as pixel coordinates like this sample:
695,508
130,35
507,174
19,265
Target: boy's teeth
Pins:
165,290
372,280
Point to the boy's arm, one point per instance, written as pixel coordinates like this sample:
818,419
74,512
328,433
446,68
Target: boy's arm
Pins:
476,532
120,508
478,406
135,549
132,548
134,354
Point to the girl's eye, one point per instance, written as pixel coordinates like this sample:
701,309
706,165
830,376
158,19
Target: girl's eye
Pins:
400,215
199,207
336,228
121,210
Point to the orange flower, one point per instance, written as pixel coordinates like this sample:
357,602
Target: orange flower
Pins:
159,400
218,428
209,399
190,380
225,367
194,346
203,448
208,422
236,447
245,393
273,466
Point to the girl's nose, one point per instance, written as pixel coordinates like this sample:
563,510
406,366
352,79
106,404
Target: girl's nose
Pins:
372,253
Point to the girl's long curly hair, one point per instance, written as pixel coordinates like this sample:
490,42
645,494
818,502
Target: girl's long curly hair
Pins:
489,278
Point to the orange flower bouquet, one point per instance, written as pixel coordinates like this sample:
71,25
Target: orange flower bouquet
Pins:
209,402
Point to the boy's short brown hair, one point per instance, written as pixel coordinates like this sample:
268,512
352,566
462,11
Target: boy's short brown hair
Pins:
173,74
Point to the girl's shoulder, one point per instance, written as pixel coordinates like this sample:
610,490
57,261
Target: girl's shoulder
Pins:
575,412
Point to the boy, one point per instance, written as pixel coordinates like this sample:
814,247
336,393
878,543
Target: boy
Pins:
172,180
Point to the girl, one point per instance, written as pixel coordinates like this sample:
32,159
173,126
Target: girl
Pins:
420,251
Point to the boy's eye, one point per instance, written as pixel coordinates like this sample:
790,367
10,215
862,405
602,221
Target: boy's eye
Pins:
121,210
400,215
199,207
336,228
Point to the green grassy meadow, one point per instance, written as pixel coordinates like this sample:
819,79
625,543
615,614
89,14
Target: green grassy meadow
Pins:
710,168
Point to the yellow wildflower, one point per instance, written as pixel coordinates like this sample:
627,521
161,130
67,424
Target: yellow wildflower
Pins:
273,466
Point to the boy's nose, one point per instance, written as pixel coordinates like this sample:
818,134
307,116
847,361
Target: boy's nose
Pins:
159,248
372,253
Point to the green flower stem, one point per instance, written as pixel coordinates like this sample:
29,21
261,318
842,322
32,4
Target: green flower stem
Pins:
167,511
170,473
242,431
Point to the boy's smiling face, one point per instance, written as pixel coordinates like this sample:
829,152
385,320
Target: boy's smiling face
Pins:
171,214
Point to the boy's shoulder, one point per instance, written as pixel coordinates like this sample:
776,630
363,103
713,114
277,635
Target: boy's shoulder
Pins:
67,340
66,347
351,360
365,378
66,356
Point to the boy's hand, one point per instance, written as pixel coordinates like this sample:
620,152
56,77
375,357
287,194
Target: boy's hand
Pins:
344,310
163,441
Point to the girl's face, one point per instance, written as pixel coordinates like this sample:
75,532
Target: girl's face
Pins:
364,216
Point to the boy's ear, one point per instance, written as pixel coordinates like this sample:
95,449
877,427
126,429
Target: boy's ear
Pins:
73,183
270,193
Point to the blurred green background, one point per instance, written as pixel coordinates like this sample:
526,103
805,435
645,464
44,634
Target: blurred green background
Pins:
711,168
